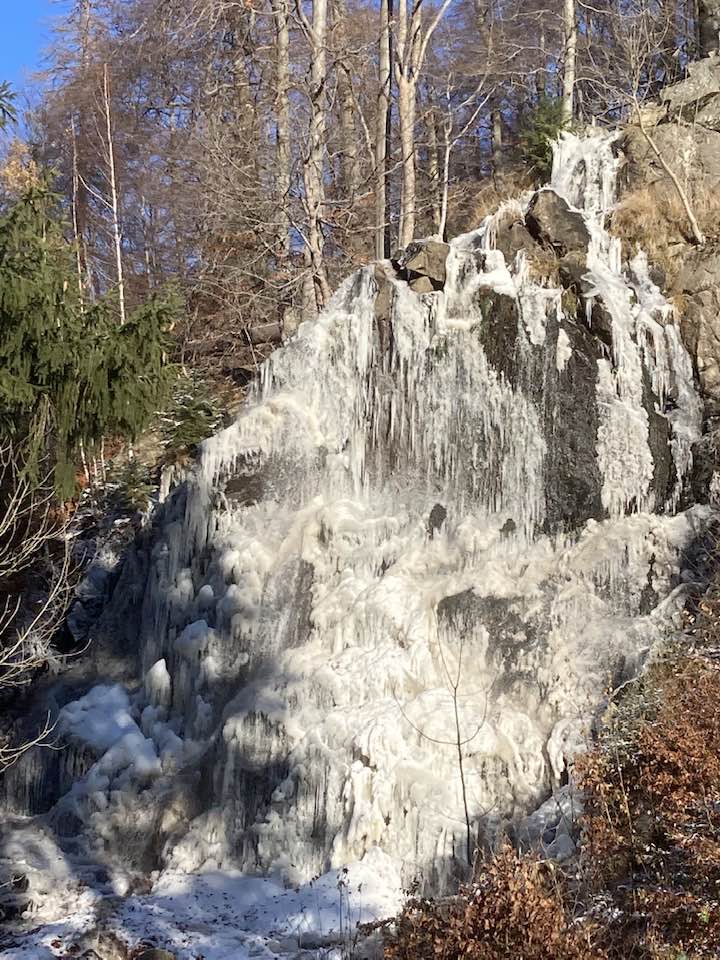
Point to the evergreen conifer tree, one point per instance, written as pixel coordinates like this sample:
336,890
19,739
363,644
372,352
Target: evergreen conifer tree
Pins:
74,364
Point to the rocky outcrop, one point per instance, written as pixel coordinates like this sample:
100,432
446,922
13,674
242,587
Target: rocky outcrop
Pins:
697,98
686,132
552,223
422,265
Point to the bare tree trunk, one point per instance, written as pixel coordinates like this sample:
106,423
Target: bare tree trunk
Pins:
497,140
434,165
541,78
382,138
407,31
445,186
114,204
348,130
412,44
406,115
314,164
148,243
283,156
708,25
569,60
75,218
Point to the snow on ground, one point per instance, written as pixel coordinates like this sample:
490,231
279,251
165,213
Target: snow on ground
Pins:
217,915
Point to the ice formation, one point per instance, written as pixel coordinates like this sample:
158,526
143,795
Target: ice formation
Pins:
393,549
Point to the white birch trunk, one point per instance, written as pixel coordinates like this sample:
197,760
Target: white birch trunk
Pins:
381,132
114,202
569,60
315,162
283,156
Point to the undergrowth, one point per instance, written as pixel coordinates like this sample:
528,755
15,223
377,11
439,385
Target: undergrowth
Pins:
519,907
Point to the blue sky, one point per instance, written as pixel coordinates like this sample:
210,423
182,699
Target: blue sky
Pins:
24,33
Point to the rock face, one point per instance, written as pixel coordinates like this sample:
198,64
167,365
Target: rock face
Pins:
696,100
553,224
687,133
699,282
478,480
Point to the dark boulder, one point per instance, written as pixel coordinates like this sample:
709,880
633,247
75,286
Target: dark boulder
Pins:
573,483
554,225
512,237
422,265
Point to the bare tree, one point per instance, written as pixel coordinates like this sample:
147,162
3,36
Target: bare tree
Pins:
410,52
281,13
113,186
382,131
314,161
453,679
570,31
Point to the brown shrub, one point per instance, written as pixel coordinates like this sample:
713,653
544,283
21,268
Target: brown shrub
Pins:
518,908
651,832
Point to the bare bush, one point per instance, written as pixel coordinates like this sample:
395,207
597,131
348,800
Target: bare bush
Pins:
33,549
518,907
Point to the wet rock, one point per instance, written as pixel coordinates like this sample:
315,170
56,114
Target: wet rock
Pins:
573,271
438,515
592,311
12,906
246,490
573,483
422,265
601,323
499,332
384,301
659,436
555,225
513,237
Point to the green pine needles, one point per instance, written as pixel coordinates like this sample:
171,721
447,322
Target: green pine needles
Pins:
71,361
543,124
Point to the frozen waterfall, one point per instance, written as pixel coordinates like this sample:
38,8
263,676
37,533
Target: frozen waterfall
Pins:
448,519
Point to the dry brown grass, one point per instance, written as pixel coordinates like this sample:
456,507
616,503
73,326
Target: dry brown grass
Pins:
653,218
470,203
